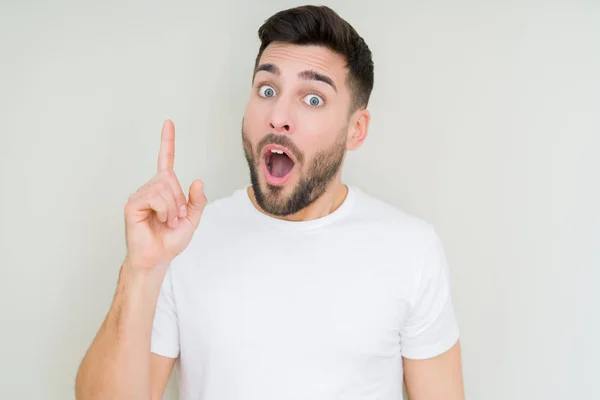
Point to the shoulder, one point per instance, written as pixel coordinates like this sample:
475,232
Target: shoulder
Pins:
399,223
411,242
409,245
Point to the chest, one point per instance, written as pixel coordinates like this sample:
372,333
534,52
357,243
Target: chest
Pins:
306,298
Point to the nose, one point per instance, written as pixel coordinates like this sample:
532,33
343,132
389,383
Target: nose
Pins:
281,119
280,127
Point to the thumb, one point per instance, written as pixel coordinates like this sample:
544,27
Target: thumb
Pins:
197,202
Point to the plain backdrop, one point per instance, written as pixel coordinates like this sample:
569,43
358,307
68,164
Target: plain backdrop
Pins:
485,123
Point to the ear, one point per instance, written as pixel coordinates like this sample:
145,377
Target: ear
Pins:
358,129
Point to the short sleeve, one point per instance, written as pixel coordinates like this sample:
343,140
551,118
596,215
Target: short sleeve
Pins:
165,329
431,327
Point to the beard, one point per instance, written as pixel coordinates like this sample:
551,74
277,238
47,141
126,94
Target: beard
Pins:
321,170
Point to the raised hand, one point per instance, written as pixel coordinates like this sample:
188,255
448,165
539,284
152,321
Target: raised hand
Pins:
159,221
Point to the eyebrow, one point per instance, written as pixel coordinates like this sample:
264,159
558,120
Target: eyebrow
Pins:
308,75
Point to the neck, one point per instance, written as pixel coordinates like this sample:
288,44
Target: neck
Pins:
330,201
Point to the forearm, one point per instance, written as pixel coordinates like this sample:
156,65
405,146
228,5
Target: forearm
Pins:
117,364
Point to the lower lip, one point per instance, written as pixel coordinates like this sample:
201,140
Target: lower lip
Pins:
274,180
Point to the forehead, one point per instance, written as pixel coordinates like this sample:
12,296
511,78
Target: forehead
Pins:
291,58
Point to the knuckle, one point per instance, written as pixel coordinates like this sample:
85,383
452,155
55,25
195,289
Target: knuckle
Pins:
154,197
158,206
131,201
144,187
169,185
162,186
169,196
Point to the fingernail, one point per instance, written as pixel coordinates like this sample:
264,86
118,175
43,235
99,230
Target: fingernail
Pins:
182,211
175,222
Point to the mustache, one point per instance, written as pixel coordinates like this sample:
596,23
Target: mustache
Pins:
280,140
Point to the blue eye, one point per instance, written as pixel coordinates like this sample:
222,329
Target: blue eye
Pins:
313,100
266,91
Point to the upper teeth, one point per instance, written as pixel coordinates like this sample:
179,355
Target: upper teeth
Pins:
277,151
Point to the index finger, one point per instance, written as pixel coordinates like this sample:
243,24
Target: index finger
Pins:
166,157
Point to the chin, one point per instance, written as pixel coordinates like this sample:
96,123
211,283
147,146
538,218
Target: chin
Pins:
276,199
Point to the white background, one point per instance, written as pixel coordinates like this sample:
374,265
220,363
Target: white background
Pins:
485,123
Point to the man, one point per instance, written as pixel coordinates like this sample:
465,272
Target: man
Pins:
296,287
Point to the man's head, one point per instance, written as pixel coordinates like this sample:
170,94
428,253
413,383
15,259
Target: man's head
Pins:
312,81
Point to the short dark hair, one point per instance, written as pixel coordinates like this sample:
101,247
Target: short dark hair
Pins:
320,25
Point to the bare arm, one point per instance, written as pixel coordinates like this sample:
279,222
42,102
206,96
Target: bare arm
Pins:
438,378
159,225
119,364
160,371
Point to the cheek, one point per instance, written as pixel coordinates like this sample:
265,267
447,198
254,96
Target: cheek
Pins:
253,121
319,131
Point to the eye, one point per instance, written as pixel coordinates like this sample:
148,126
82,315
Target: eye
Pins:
313,100
266,91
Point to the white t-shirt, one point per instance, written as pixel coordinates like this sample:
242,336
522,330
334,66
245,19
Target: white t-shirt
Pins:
257,308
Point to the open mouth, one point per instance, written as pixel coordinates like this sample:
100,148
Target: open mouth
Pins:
278,164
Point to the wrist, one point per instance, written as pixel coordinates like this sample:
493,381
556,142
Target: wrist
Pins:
143,269
142,277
